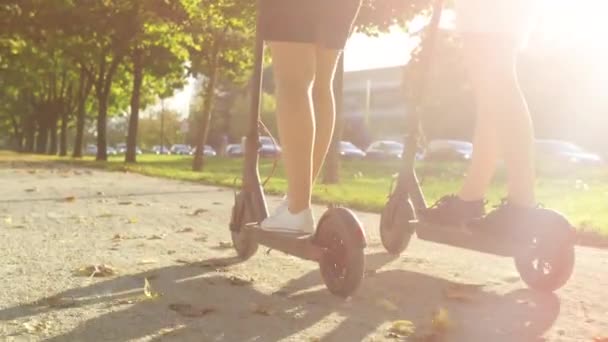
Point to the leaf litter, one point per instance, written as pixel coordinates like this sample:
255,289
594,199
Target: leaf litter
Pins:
187,310
95,271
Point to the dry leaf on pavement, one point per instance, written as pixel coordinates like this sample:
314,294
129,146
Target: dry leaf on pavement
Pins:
95,271
188,310
149,291
401,329
236,281
70,199
186,230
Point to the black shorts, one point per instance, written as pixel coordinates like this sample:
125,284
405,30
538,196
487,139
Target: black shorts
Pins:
326,23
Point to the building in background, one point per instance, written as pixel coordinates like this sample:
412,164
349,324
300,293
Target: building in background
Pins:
374,105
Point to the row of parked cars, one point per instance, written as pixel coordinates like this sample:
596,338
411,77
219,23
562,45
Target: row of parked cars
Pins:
436,150
457,150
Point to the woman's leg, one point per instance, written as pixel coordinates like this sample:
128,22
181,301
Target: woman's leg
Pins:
294,70
503,119
324,105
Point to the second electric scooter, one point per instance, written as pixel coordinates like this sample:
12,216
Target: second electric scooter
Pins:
543,248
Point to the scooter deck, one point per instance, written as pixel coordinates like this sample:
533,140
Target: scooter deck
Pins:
297,244
485,241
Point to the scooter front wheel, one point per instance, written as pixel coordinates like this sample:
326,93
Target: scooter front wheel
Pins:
547,260
395,228
242,240
342,263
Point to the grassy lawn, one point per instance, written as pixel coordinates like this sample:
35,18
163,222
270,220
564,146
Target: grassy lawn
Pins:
581,194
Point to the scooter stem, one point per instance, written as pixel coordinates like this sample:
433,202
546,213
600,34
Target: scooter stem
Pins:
251,174
407,181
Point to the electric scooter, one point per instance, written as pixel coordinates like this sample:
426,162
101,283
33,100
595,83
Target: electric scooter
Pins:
543,248
339,239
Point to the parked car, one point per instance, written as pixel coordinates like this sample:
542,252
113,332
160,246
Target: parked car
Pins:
448,150
111,151
234,150
349,151
384,149
122,149
564,152
208,151
268,148
181,149
157,149
90,149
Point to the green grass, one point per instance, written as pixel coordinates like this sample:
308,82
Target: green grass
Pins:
581,194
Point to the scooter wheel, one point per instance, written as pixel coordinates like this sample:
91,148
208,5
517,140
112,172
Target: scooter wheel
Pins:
395,228
547,260
244,244
343,261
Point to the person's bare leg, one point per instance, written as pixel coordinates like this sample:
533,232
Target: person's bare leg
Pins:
498,91
485,140
294,68
324,105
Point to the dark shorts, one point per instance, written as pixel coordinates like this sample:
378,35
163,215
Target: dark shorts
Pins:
326,23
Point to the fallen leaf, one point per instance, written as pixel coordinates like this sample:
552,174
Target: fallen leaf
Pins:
157,237
217,203
32,171
387,305
441,321
100,193
224,245
31,190
402,329
117,237
95,271
199,211
60,302
125,203
70,199
188,310
182,261
147,262
132,220
185,230
236,281
149,291
263,310
201,238
170,252
33,327
105,215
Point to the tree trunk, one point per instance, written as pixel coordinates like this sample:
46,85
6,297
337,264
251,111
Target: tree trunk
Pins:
63,141
102,118
331,173
52,150
84,88
42,137
29,130
138,76
203,130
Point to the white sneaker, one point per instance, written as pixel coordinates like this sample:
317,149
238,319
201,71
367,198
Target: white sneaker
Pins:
286,222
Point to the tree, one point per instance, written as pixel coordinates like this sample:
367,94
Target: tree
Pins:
224,38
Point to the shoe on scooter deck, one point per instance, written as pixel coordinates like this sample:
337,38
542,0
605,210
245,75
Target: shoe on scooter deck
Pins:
293,243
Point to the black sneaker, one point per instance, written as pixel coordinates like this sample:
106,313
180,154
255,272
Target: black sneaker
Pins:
453,211
505,216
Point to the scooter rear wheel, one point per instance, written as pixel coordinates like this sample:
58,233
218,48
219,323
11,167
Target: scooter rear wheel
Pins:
547,261
395,229
244,244
343,261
